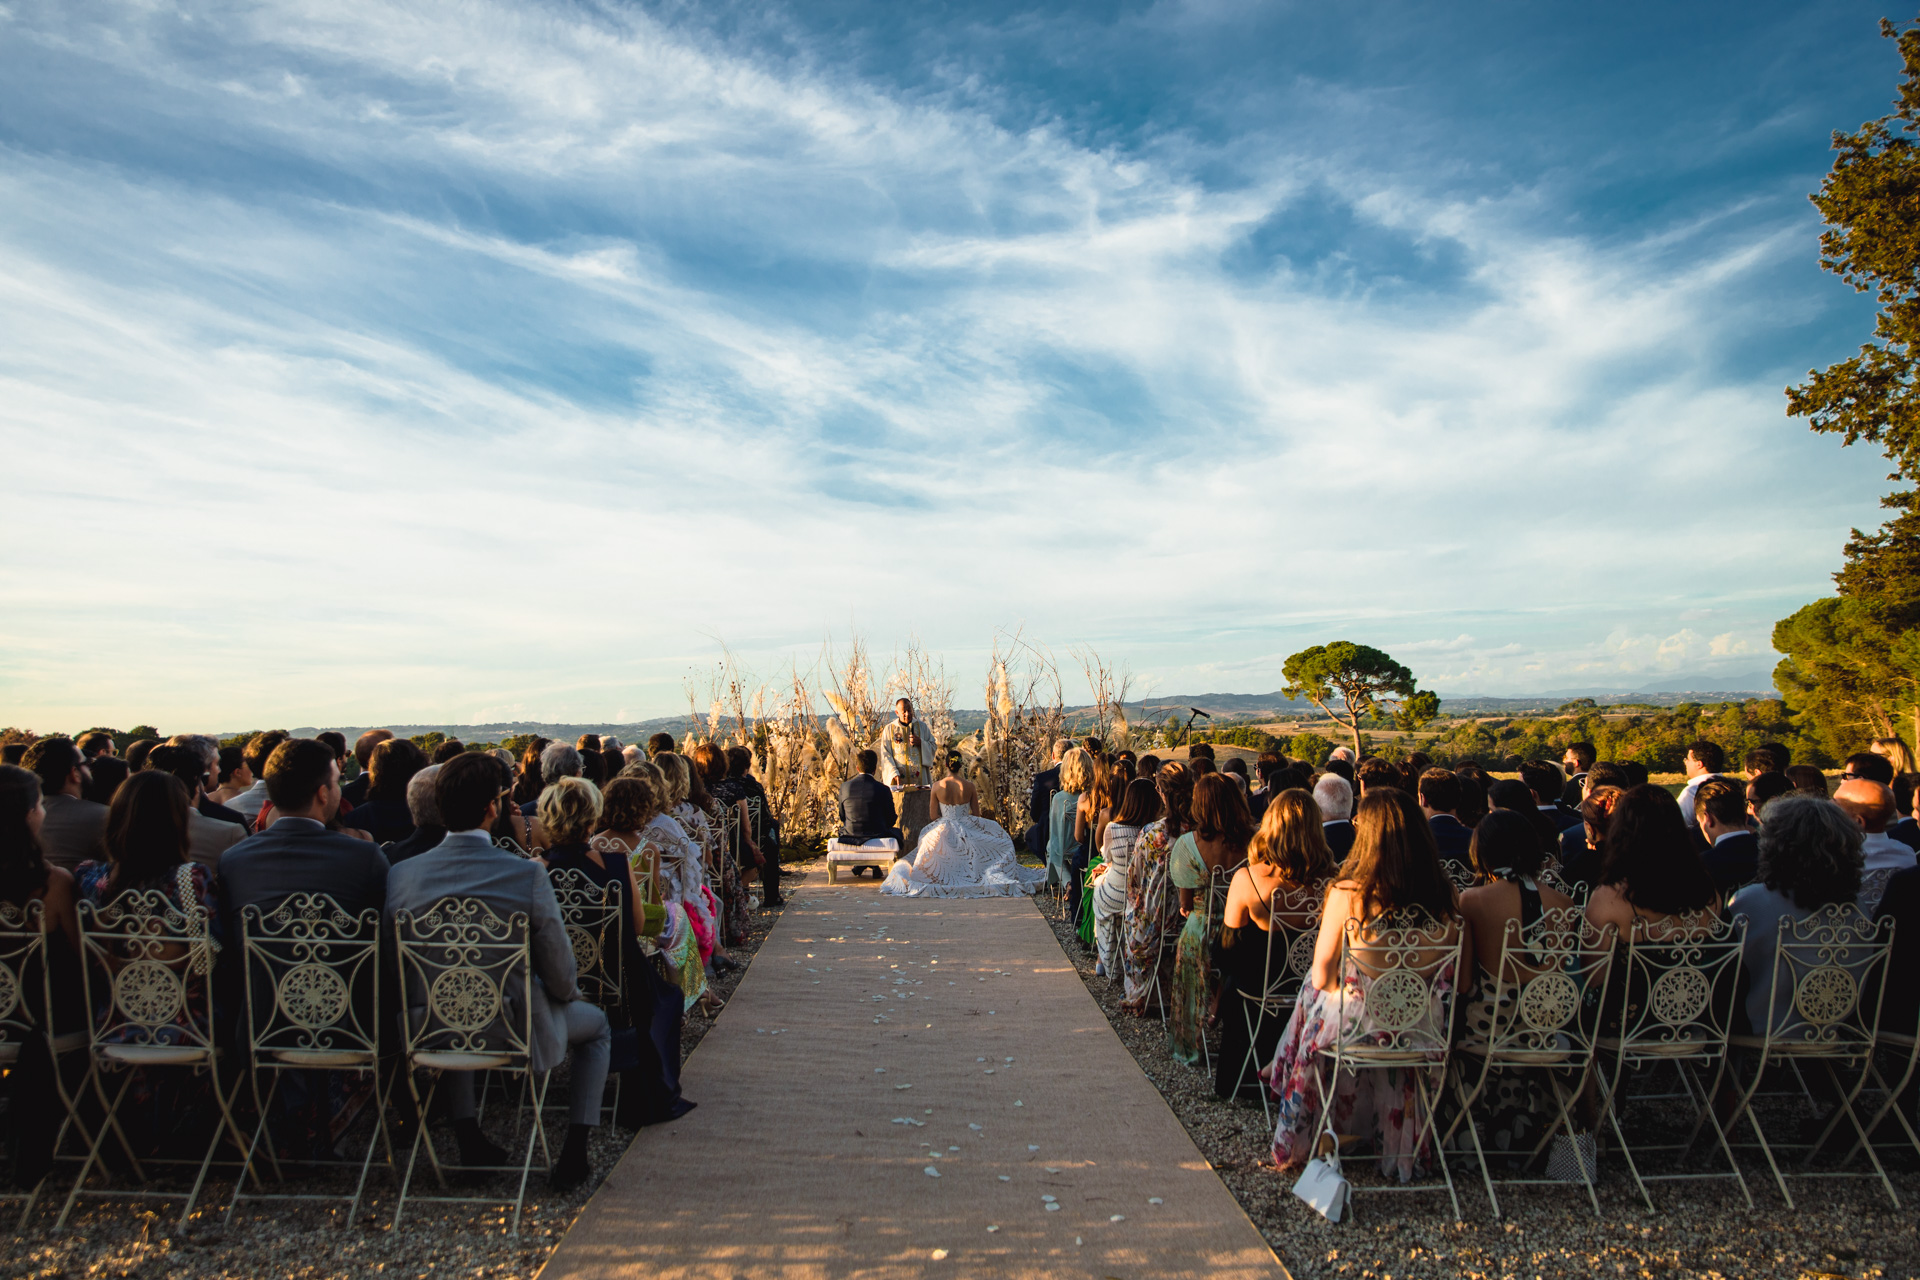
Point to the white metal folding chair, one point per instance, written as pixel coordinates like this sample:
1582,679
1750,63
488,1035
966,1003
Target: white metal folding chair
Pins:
464,969
1678,986
1549,986
1293,926
1905,1047
1828,970
594,921
1459,873
26,1020
147,970
1578,890
312,988
1403,970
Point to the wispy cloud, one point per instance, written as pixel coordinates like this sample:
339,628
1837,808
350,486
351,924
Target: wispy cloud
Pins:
367,362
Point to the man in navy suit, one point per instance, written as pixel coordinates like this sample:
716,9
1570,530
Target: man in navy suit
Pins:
866,805
1334,795
1576,760
1733,850
1439,799
298,854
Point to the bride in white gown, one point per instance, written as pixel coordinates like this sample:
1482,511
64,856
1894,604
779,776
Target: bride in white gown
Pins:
961,855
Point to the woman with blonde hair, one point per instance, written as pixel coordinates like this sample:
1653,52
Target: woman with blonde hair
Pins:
1896,751
1066,855
1392,879
1287,856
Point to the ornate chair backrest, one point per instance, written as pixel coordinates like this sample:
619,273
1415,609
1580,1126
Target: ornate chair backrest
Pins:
1219,880
1550,985
1578,890
1462,875
312,977
468,979
1681,983
22,957
1293,927
730,831
1403,968
511,846
592,916
1828,970
148,970
757,819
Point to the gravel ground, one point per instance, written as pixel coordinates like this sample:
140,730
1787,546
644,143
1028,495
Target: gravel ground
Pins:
133,1238
1841,1227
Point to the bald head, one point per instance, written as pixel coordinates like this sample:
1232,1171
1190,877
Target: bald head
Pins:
1870,803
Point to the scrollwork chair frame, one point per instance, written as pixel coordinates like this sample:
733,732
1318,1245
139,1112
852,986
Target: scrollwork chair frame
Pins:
1408,973
462,967
1828,972
312,989
594,924
142,956
23,958
1549,986
1679,985
1282,991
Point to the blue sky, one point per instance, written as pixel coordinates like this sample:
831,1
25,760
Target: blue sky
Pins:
466,361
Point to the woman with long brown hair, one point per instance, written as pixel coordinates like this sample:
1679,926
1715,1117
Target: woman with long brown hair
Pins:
1392,879
1136,805
1090,819
1150,902
1288,856
1222,828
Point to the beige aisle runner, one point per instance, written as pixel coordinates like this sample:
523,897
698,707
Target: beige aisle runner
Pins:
913,1087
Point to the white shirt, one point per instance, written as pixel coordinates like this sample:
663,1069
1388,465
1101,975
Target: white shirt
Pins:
1686,797
251,801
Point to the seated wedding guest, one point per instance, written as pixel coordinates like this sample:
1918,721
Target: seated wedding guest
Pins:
1151,905
208,749
730,918
146,846
527,782
1123,764
866,804
448,750
1870,805
1139,805
467,865
95,744
13,753
1373,773
1809,858
1199,751
207,838
1095,809
74,827
1439,797
1288,855
1393,868
424,808
659,743
1651,873
1507,858
1868,766
1898,755
1545,782
1704,759
1763,787
1575,761
250,802
731,793
298,854
25,874
740,775
1906,827
1334,795
1807,779
364,746
615,853
385,815
1236,769
1576,841
569,812
1222,829
1067,856
1518,797
233,774
136,752
557,761
105,773
1900,1000
1733,851
1582,866
336,742
1040,801
1147,767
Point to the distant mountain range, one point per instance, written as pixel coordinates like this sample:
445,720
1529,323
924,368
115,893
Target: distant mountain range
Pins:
1154,710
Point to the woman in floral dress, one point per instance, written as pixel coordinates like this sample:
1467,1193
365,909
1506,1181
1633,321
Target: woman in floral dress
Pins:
1391,879
1149,902
1222,827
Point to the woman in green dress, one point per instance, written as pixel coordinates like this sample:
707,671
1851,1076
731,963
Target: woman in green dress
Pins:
1222,828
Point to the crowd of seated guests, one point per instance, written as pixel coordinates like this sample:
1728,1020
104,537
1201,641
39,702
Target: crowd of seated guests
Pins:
220,830
1358,840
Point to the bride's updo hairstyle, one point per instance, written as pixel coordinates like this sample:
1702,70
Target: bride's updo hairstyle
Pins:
953,760
1394,862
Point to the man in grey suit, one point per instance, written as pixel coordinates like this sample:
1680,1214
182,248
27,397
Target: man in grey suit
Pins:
74,829
471,789
207,838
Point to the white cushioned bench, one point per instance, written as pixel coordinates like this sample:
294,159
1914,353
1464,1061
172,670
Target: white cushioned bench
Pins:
878,854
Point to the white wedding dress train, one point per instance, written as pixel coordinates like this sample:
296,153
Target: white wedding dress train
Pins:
961,856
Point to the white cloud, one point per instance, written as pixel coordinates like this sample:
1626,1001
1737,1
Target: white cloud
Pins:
519,351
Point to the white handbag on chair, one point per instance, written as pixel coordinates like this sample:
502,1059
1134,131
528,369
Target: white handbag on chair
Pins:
1323,1188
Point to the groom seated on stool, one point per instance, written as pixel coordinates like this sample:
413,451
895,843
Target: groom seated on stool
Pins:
866,805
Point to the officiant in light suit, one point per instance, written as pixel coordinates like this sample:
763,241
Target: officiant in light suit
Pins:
907,765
